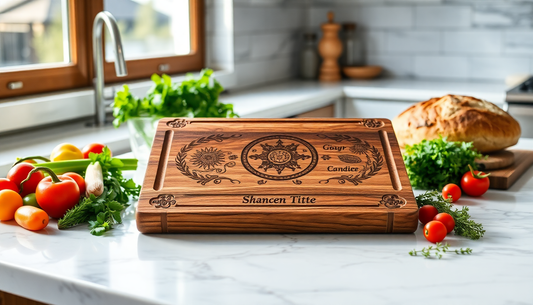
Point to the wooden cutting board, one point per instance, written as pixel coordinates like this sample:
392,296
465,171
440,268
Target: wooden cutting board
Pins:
503,179
276,176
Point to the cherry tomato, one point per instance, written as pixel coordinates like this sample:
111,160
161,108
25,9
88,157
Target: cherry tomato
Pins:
10,201
435,231
20,172
426,213
30,200
31,218
451,190
79,181
6,184
57,194
93,148
447,220
475,183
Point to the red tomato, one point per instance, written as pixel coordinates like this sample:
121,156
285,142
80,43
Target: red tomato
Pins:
475,183
20,172
447,220
56,198
426,213
79,181
5,184
451,190
434,231
92,148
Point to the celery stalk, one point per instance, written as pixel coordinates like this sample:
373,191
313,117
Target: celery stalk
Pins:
61,167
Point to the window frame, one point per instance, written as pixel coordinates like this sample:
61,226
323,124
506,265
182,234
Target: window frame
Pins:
80,72
55,77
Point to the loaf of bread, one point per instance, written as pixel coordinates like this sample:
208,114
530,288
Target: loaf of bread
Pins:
458,118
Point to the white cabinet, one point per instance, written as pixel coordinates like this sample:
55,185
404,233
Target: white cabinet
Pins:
359,108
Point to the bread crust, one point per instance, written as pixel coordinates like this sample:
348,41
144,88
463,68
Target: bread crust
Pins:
458,118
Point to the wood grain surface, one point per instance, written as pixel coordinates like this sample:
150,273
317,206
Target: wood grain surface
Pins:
276,176
503,179
496,160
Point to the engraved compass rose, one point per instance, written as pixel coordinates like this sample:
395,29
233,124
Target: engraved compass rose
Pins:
279,157
290,157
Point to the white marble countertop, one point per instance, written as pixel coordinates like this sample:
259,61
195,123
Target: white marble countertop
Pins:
273,101
126,267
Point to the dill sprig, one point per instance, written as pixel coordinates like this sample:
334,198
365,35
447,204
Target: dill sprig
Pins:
77,215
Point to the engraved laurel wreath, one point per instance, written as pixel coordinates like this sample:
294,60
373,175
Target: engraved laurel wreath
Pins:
206,160
370,168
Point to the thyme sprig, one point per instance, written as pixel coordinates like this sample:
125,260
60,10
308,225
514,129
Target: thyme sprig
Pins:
438,250
464,226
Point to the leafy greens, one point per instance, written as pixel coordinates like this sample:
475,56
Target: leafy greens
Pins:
191,98
435,163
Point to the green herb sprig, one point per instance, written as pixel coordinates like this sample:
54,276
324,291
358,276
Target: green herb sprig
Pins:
438,250
464,226
191,98
435,163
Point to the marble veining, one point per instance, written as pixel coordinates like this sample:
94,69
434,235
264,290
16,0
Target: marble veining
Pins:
73,267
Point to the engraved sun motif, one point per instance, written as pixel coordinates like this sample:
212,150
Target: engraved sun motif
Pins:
279,157
208,158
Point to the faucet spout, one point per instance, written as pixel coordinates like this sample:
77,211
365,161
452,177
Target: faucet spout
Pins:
98,60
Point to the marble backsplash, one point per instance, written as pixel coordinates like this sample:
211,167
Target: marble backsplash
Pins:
487,40
266,36
449,39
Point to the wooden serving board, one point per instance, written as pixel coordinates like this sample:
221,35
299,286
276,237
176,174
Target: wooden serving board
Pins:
503,179
497,160
276,176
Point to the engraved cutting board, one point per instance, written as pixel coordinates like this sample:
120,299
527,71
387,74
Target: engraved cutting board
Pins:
276,176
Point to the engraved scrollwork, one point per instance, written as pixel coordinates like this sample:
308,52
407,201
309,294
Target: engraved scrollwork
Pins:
372,123
207,163
178,123
297,182
164,201
326,157
371,167
261,182
392,201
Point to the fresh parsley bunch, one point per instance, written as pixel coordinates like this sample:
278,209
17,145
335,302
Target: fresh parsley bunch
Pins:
191,98
435,163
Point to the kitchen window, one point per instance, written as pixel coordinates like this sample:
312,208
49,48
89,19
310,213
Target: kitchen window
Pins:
45,45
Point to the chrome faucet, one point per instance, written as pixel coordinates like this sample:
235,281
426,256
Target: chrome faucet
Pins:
98,58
